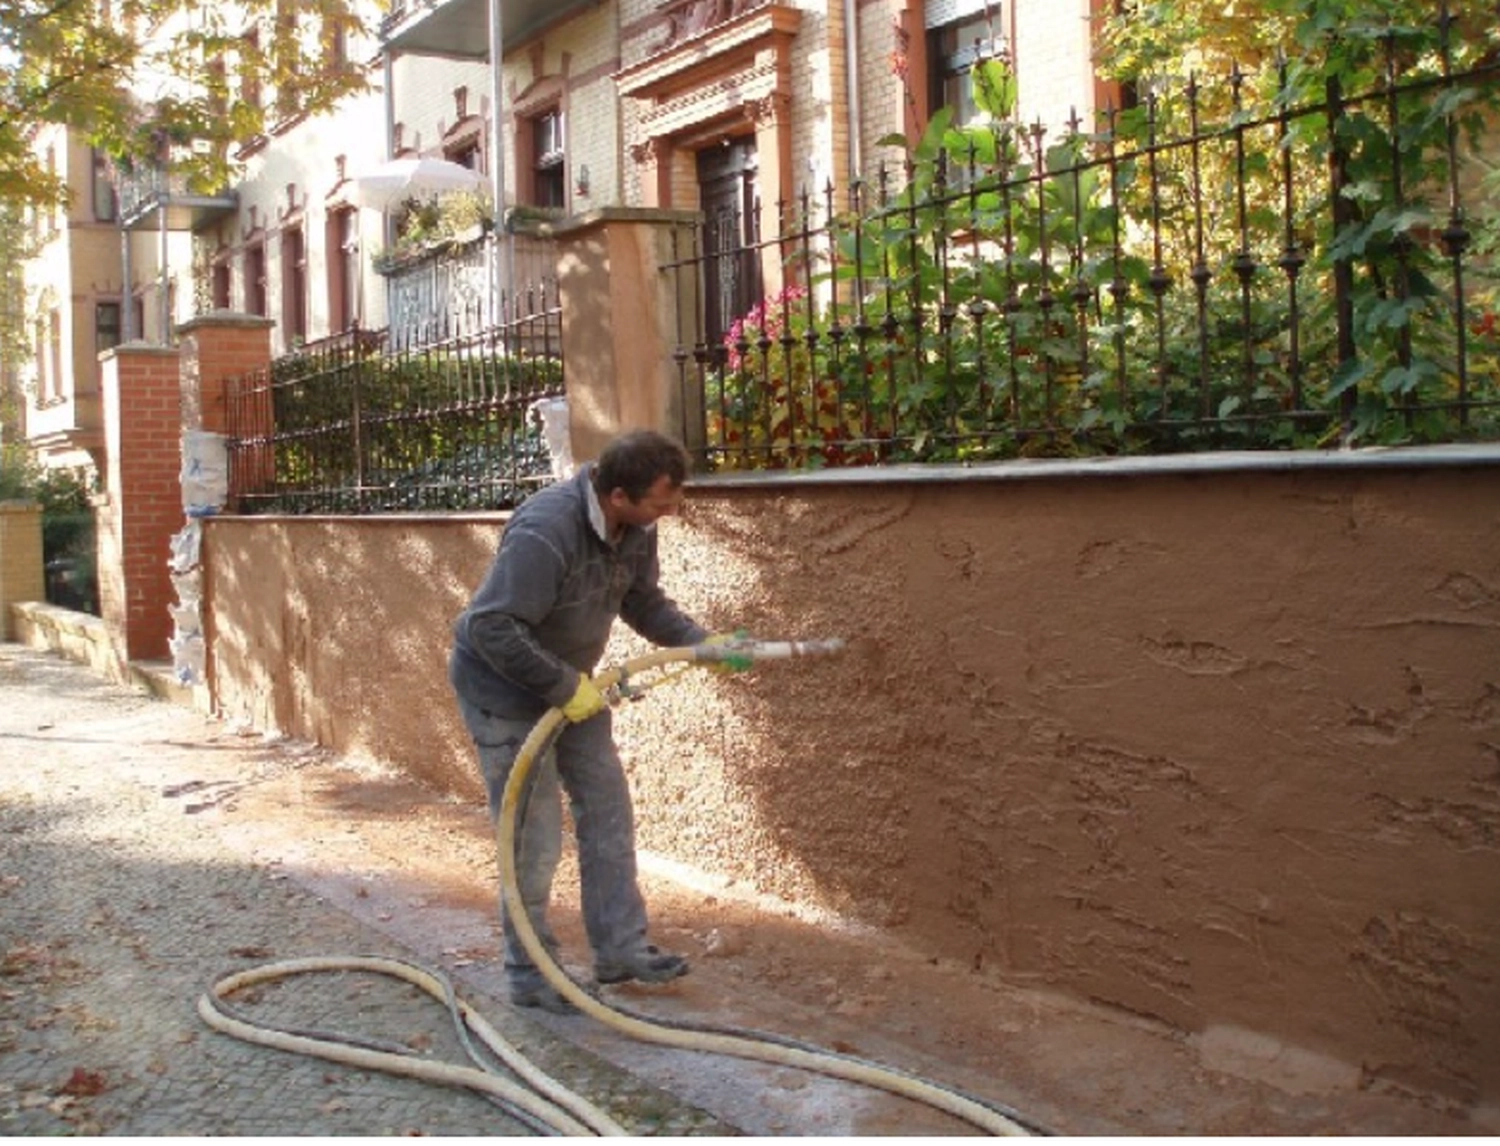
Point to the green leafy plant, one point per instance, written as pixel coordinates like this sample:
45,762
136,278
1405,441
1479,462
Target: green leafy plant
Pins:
1131,289
429,227
780,401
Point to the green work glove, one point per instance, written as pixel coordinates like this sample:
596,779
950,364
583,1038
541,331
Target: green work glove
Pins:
587,701
735,662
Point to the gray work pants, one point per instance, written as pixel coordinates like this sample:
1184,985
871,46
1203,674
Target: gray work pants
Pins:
584,762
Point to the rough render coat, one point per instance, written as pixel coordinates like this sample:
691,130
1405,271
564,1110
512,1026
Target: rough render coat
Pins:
1221,750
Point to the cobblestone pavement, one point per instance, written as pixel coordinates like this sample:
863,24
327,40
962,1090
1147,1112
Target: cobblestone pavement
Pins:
118,908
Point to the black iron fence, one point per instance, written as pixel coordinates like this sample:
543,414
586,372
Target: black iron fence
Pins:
1194,275
356,424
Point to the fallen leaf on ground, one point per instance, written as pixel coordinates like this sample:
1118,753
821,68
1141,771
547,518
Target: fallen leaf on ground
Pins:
84,1083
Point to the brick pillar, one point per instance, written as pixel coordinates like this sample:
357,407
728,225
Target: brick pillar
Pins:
142,426
217,348
21,575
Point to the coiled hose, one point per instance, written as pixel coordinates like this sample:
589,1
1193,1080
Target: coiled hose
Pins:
542,1102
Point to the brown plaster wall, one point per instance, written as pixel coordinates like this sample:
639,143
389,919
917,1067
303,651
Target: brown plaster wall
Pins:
1222,750
335,630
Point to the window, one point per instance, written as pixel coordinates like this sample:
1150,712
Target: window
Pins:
293,286
39,356
255,279
57,217
107,317
106,208
250,69
335,44
286,59
956,45
221,285
218,86
548,175
49,390
343,268
466,154
1123,93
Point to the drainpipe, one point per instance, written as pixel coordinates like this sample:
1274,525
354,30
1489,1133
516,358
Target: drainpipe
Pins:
127,311
389,59
164,323
387,224
501,236
851,86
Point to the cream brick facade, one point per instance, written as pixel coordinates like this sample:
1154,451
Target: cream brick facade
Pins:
1054,71
21,576
77,269
296,182
810,124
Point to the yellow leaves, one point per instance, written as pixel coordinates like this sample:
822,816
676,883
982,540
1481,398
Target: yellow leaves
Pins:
781,424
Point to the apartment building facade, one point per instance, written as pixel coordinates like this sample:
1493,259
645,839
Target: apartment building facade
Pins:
76,304
731,108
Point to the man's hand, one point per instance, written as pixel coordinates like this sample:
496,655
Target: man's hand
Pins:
734,662
587,701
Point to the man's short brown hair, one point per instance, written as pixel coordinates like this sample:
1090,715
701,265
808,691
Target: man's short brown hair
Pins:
636,460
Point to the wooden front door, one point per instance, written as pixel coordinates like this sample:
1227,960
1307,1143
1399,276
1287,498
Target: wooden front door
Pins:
728,191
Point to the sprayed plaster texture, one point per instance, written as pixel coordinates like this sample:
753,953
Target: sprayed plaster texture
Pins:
1218,750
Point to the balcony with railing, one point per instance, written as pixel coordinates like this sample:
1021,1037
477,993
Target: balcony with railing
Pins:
460,29
468,285
152,195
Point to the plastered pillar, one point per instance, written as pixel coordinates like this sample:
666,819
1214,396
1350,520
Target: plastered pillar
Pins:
620,327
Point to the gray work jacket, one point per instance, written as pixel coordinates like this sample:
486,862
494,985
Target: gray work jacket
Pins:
544,611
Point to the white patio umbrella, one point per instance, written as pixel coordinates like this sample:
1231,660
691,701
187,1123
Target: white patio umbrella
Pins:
397,180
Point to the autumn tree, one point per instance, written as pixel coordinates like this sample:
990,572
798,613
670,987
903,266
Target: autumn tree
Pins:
134,77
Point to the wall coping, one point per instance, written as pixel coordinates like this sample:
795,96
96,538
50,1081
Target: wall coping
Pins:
138,349
603,217
1051,469
222,318
1038,469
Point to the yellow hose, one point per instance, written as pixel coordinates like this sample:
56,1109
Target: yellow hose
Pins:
739,1045
541,1098
547,1100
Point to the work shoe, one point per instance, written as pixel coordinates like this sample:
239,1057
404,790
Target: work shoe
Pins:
648,965
543,997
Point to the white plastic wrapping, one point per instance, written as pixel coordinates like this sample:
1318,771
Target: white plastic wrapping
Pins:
188,656
185,546
205,471
552,414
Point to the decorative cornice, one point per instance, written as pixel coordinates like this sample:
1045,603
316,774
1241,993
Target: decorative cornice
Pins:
700,58
769,110
686,19
727,96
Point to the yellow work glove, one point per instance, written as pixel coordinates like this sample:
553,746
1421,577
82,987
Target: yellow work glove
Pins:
734,662
586,701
